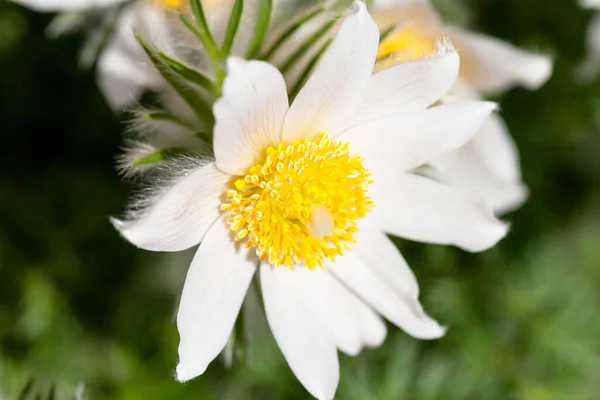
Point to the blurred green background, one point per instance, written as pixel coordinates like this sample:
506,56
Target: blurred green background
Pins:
83,313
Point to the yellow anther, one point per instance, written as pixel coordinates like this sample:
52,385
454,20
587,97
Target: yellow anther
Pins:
321,192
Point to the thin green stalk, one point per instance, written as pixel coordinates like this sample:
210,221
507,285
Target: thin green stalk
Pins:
292,28
159,156
303,49
233,26
214,53
187,73
167,117
385,33
187,93
262,25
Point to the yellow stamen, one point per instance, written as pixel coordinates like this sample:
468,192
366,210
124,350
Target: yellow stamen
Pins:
401,46
175,4
179,4
301,203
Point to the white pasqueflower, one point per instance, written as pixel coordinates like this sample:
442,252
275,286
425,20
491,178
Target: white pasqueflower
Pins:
124,71
488,165
591,65
305,193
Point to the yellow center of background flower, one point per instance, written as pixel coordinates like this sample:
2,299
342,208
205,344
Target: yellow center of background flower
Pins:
169,3
301,203
179,4
401,46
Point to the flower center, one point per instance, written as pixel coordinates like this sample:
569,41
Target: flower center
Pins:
174,4
401,46
301,203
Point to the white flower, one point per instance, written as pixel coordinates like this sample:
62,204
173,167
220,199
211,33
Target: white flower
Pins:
489,165
591,65
310,189
124,71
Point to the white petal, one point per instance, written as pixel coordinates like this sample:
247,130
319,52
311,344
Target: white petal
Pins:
589,3
339,82
250,114
397,3
410,86
465,170
298,327
492,65
408,141
379,253
213,293
117,77
402,312
124,69
371,327
421,209
497,150
591,65
353,324
61,5
180,217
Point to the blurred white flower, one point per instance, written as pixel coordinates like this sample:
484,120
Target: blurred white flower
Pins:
124,70
305,193
488,165
591,65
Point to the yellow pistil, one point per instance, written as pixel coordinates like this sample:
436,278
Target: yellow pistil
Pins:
301,203
403,45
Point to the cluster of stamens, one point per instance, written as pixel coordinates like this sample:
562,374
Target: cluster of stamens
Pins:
276,207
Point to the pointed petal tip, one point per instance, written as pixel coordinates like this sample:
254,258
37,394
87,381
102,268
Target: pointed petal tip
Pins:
443,45
541,67
185,373
496,232
116,223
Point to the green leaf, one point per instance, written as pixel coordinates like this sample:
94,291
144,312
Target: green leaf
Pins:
168,117
187,93
205,137
26,389
186,72
308,69
52,393
214,53
203,31
305,47
291,29
159,156
234,23
262,25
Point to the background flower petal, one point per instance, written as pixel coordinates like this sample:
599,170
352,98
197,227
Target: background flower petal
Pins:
493,65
